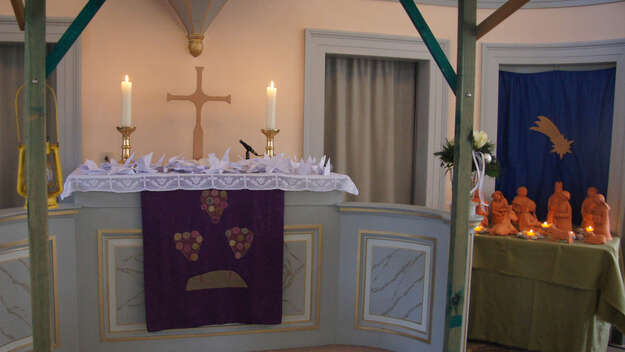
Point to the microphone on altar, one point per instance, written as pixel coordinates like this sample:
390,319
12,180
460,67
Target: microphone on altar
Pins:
248,149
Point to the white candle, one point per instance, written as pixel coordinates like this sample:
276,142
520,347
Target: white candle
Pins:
270,123
126,103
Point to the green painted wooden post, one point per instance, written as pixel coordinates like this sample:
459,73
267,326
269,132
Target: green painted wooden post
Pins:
35,122
458,284
463,85
432,44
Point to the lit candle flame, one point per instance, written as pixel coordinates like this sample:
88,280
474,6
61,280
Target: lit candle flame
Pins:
271,84
531,233
478,228
589,229
545,225
126,78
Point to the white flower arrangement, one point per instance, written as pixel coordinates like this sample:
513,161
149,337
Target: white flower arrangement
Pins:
481,144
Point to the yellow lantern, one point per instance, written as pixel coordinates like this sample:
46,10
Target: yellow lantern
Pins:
54,173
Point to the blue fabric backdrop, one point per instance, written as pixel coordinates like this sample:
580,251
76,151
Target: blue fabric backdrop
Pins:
581,105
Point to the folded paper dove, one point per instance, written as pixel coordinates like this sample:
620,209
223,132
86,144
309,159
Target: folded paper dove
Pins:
279,172
210,165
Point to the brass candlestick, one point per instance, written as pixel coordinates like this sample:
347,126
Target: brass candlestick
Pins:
126,132
269,149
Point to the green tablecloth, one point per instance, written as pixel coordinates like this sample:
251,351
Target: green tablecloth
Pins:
545,296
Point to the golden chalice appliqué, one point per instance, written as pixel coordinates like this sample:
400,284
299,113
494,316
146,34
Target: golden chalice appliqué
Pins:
54,173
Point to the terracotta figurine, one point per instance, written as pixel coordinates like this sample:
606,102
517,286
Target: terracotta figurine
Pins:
601,217
525,210
593,238
564,213
587,206
556,192
559,209
480,209
600,222
556,234
501,216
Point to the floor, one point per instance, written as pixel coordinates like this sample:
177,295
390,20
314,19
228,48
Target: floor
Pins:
332,348
473,347
483,347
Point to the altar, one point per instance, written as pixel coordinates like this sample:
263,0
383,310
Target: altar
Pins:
366,274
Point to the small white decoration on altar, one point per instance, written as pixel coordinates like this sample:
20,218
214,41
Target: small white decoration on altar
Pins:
210,165
141,174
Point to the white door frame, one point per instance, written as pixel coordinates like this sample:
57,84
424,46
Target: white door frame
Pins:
494,55
319,43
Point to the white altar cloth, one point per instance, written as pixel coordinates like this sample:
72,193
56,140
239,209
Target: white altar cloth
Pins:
79,181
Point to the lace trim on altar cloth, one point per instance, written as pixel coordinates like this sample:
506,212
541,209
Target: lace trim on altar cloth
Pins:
78,181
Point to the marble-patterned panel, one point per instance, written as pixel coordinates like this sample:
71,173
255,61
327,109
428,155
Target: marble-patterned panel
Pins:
397,283
294,278
394,293
120,274
15,313
130,302
127,306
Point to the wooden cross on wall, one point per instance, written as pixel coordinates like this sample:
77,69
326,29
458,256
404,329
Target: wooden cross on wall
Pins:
198,98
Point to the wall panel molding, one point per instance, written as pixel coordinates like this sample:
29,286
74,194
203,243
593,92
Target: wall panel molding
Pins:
122,304
395,288
15,296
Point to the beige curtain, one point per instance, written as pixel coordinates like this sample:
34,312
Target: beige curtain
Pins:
12,73
11,77
370,125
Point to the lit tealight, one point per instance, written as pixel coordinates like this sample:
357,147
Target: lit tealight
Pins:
478,228
531,233
589,228
545,225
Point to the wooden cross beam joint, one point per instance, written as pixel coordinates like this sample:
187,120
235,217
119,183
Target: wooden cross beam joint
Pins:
498,16
18,8
198,98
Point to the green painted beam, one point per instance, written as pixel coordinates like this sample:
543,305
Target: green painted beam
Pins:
431,42
37,198
71,34
459,275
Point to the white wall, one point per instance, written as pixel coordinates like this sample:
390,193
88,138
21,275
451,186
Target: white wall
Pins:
248,44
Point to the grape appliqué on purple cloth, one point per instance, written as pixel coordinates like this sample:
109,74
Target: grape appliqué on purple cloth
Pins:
240,240
188,243
214,202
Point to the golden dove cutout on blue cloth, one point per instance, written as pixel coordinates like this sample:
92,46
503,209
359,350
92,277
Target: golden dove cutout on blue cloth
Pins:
555,126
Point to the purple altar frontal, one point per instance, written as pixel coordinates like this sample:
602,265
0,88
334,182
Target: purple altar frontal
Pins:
212,257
